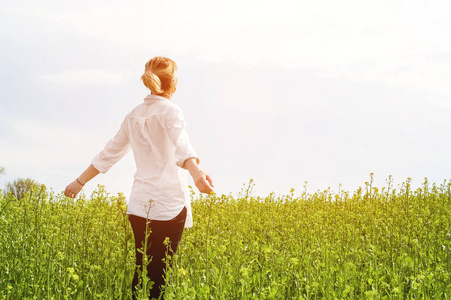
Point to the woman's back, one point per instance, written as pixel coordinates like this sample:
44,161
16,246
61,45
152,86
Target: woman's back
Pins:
149,139
155,131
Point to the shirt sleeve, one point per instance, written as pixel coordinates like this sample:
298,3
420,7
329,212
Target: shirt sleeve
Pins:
175,124
114,150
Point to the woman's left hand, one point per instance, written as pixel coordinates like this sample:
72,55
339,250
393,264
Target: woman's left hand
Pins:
73,189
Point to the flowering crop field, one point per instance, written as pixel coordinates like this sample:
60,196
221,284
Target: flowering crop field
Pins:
373,244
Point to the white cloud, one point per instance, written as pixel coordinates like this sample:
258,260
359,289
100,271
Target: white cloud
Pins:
390,39
47,142
56,154
385,44
409,72
87,77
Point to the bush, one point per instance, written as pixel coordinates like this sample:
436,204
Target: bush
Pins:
20,186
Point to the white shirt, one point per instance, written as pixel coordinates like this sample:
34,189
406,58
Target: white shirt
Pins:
155,131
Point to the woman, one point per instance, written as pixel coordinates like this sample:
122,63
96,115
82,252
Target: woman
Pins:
155,131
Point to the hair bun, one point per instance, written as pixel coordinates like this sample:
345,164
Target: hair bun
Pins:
159,76
152,81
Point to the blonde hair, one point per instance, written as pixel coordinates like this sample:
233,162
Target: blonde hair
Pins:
159,76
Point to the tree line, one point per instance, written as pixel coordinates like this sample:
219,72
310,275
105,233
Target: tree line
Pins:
19,186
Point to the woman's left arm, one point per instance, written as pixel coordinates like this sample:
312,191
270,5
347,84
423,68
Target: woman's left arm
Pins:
75,187
114,150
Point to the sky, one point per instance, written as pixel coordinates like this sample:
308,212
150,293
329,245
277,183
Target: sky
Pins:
281,92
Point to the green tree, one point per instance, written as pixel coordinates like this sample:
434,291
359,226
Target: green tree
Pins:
19,186
2,170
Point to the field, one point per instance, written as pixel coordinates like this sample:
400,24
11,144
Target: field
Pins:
388,243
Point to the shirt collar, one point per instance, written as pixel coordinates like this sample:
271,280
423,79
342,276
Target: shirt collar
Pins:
154,97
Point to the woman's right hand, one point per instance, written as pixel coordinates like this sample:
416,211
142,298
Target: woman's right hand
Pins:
203,182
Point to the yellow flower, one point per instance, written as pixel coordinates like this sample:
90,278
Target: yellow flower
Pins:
182,272
60,255
244,272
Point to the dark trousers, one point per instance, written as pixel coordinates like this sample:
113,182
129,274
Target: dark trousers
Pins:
156,250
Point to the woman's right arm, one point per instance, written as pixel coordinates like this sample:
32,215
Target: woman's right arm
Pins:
185,155
202,180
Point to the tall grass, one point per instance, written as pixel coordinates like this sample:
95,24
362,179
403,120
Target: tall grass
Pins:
373,244
53,246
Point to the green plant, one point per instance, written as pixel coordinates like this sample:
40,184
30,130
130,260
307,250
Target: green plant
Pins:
387,243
